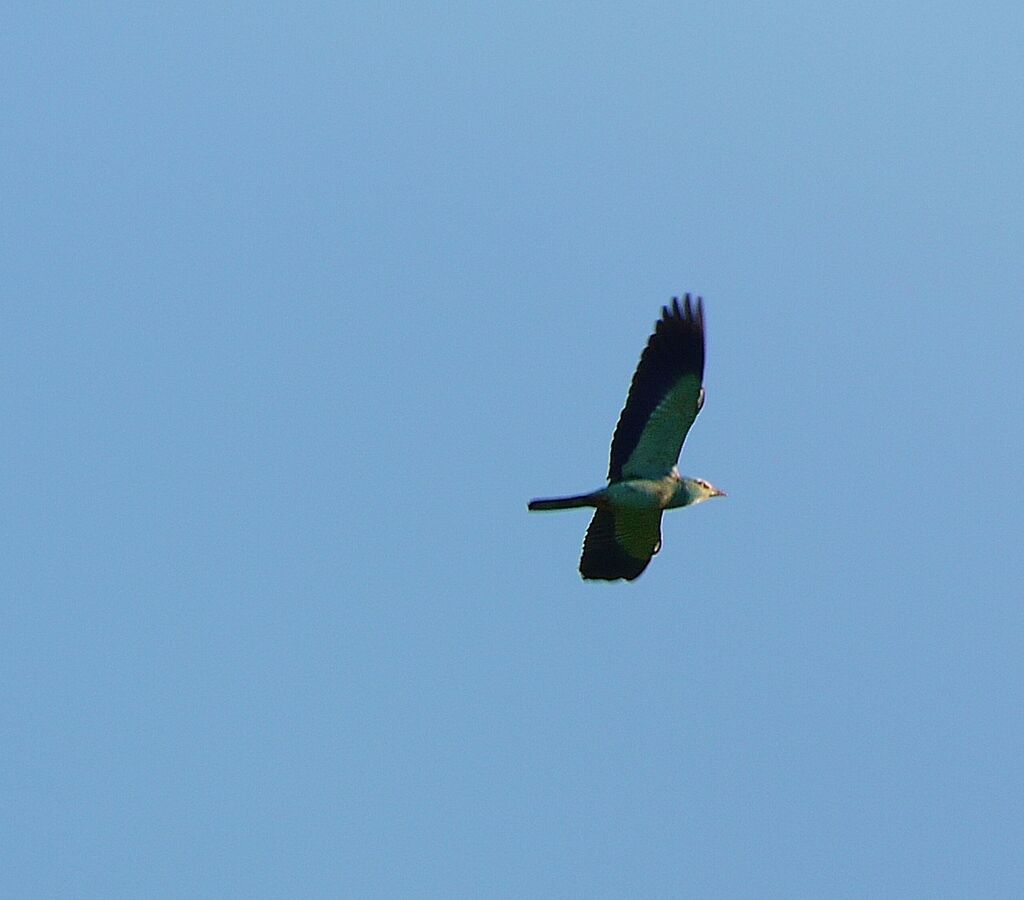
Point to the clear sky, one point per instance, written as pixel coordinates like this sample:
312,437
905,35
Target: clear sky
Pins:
302,303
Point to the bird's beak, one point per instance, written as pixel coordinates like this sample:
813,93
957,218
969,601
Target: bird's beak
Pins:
719,493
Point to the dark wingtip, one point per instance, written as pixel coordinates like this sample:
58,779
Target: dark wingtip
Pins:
691,310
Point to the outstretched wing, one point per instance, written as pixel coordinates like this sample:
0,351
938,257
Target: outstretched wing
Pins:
665,396
620,543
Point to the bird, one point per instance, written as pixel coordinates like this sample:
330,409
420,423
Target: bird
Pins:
665,395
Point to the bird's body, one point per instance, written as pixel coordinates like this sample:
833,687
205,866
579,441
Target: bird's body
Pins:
669,492
664,398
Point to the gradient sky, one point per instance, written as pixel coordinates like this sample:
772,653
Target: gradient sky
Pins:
302,303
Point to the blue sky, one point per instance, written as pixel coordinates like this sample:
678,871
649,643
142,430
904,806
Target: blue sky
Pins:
303,303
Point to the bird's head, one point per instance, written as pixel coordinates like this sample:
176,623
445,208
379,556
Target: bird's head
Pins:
701,490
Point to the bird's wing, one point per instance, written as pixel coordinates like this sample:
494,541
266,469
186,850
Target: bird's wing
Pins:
620,544
664,398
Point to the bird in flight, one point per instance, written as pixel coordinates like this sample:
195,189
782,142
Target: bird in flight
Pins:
664,398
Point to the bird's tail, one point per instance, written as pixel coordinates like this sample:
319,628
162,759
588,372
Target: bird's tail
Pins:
566,502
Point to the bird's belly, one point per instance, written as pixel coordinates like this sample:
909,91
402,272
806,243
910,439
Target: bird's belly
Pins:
639,493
